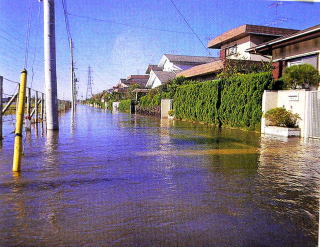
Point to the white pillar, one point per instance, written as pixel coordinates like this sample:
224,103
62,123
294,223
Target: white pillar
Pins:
50,65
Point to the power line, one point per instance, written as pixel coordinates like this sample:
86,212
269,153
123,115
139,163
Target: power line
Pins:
35,50
128,25
192,30
66,19
26,54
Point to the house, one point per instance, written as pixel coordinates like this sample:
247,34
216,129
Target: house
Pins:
170,65
170,62
158,78
296,48
124,84
233,45
120,86
154,68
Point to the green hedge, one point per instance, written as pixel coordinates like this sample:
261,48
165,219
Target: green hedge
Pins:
125,105
234,101
241,100
198,102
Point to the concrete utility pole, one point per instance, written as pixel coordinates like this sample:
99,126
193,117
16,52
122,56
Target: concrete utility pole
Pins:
73,83
50,65
89,84
1,91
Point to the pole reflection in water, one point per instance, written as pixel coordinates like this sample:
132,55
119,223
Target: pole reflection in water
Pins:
51,147
128,180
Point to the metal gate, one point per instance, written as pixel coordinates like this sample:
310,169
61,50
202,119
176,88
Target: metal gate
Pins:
314,116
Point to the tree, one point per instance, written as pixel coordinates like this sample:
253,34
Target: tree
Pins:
301,76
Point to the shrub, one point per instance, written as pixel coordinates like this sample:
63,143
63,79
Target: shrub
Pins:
198,102
171,113
281,117
241,97
125,105
301,76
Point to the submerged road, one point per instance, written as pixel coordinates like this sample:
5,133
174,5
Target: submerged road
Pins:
128,180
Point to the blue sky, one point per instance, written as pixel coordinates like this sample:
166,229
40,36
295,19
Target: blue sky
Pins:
130,38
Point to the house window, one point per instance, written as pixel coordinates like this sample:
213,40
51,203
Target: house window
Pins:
313,60
232,50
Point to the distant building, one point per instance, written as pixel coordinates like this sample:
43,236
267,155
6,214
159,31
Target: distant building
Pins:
233,45
158,78
170,65
154,68
124,84
297,48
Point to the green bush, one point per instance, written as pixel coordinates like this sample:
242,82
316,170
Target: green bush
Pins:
241,99
301,76
171,113
125,105
165,91
233,101
198,102
281,117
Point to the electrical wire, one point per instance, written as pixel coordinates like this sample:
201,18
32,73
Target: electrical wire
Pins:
128,25
190,27
26,54
35,50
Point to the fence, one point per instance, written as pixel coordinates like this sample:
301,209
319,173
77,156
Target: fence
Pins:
35,105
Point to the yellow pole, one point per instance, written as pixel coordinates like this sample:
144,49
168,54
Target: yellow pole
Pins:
19,122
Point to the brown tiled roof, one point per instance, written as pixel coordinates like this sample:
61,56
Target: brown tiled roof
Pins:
264,46
203,69
165,76
245,30
138,77
189,59
153,67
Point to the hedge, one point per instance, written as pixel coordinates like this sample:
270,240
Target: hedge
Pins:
125,105
198,102
234,101
241,100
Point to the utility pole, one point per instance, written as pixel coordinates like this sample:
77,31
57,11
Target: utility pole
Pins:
89,85
50,65
73,79
1,92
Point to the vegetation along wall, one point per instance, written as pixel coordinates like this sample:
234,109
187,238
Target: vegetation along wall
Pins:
232,101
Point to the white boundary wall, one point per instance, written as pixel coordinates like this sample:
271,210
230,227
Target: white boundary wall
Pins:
296,101
166,106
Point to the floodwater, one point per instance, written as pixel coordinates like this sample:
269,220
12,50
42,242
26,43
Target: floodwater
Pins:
127,180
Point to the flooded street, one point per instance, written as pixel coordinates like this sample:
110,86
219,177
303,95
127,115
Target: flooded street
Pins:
128,180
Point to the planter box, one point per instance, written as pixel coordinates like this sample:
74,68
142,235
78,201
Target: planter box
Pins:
282,131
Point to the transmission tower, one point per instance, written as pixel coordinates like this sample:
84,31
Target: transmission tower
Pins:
89,85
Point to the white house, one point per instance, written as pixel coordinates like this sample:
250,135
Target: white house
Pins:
170,65
170,62
158,78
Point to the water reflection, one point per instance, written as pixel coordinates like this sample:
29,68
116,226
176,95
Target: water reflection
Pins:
128,180
51,148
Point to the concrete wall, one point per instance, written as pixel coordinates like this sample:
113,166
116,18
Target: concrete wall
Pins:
115,106
296,101
166,106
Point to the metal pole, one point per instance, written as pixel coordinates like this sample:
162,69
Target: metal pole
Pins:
42,108
36,108
50,65
19,122
28,101
73,103
1,91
